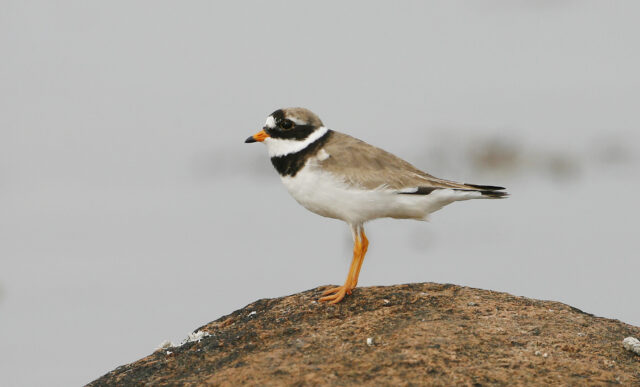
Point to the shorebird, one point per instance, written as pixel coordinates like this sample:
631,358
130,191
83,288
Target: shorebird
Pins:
338,176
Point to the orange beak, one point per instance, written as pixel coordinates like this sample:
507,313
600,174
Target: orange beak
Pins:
260,136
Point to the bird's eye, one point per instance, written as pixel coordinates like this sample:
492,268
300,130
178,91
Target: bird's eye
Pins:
286,124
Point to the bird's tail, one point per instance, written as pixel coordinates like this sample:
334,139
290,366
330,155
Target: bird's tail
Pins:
488,191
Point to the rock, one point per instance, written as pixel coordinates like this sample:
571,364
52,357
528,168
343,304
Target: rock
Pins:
426,334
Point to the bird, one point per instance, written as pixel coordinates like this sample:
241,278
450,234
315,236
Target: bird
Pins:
338,176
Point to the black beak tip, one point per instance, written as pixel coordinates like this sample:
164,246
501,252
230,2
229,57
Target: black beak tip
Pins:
250,139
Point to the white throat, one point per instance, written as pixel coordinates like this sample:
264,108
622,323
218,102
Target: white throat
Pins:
283,146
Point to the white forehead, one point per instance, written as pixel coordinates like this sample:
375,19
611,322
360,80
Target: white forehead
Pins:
271,122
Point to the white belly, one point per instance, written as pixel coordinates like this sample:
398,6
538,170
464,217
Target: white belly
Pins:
323,193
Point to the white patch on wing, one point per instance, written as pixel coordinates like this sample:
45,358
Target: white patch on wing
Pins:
322,155
283,146
408,190
271,122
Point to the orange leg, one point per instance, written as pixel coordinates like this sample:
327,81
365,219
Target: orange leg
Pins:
360,246
365,246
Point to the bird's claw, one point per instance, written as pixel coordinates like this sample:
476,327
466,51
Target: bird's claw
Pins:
335,295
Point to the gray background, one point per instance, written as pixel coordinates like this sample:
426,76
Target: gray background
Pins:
131,211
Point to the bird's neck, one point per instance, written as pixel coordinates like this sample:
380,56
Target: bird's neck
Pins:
289,163
284,146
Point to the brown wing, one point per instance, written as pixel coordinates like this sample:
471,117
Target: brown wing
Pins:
369,167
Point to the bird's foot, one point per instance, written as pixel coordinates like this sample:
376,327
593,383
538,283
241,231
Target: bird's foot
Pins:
335,295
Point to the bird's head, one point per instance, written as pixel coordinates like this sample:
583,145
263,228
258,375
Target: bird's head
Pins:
286,129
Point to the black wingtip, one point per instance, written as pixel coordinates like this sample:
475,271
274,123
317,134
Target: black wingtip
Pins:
420,191
485,187
490,191
495,194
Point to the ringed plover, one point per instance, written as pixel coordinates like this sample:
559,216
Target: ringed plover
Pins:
341,177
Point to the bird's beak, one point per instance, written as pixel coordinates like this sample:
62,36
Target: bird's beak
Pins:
260,136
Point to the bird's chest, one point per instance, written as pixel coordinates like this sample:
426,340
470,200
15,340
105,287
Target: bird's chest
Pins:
319,191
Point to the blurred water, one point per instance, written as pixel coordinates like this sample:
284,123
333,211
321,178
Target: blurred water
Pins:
131,212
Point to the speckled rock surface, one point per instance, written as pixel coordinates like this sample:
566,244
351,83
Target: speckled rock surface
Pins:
416,334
